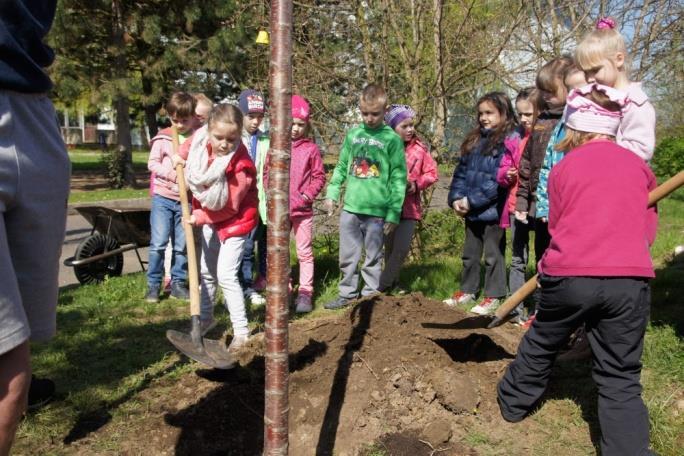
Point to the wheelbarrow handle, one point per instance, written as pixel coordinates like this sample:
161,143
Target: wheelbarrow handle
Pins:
193,276
528,287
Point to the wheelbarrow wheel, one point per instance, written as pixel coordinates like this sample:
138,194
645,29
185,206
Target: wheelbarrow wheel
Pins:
96,271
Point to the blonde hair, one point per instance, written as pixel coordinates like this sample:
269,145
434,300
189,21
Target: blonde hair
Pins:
575,138
374,93
597,45
225,113
201,98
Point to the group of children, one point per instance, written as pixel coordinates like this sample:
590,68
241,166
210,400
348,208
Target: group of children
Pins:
573,168
577,175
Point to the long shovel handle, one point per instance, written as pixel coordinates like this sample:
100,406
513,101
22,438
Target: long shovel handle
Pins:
193,277
528,287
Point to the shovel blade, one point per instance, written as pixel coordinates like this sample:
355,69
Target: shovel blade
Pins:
208,352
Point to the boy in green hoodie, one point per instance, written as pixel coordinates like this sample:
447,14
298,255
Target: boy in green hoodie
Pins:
372,164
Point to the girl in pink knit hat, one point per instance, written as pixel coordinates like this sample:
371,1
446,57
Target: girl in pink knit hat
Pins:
307,178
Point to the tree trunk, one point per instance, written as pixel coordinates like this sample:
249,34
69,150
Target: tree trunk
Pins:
150,109
276,408
438,139
121,102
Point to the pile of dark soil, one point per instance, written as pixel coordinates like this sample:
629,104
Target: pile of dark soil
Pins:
404,375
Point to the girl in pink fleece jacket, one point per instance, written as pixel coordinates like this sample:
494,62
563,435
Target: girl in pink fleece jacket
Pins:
421,173
602,55
307,178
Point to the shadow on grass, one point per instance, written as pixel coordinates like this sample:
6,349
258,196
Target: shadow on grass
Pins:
230,419
667,292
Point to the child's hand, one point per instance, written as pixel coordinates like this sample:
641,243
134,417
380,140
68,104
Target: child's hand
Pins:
329,207
544,219
177,160
389,228
511,174
521,217
411,187
190,221
459,208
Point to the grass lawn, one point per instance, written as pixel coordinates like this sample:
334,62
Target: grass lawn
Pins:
92,160
111,346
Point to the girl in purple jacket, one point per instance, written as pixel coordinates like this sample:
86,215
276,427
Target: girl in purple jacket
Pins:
307,178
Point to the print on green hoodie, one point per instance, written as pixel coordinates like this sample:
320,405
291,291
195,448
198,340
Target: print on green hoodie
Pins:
373,166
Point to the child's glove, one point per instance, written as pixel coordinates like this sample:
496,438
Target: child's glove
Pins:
389,228
329,206
521,217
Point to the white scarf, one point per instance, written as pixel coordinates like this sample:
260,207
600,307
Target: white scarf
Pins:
207,182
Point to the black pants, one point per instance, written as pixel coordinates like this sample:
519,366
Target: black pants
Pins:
491,238
542,239
616,312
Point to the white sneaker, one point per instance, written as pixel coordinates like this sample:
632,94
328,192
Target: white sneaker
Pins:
256,299
460,298
237,343
486,307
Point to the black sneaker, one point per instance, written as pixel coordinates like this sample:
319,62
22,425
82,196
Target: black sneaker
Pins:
337,303
41,391
152,293
179,291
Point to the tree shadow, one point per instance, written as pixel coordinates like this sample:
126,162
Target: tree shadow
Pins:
362,313
230,419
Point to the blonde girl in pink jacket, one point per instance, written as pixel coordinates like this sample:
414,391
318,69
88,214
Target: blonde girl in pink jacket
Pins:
421,173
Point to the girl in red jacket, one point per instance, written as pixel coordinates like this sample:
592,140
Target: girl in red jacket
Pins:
222,179
596,271
307,178
422,173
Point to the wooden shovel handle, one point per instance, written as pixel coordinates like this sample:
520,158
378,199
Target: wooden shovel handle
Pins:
193,276
528,287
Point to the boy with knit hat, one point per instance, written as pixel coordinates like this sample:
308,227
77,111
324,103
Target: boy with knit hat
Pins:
253,107
372,165
588,277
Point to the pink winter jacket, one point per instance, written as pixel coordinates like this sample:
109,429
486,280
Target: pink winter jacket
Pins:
163,178
637,129
421,168
307,176
511,159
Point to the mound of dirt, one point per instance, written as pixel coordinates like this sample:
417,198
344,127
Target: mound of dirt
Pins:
403,374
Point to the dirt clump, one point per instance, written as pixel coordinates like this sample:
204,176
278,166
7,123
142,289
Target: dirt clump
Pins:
394,372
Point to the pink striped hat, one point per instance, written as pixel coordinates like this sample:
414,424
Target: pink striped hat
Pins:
582,114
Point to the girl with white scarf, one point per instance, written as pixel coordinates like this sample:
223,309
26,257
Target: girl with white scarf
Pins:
222,179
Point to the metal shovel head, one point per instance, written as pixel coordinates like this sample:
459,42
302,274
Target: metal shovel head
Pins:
207,351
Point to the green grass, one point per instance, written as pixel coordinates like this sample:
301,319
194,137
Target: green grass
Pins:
111,347
93,196
83,160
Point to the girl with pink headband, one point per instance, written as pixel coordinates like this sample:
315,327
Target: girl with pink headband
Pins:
596,272
602,55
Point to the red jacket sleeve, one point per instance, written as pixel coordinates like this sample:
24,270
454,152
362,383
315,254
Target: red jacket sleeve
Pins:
428,175
317,174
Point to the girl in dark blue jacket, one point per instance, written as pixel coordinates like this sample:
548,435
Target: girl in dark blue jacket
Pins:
476,196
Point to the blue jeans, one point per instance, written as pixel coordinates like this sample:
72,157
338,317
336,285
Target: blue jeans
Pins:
256,238
165,222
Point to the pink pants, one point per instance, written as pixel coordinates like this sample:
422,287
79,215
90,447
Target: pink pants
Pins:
303,231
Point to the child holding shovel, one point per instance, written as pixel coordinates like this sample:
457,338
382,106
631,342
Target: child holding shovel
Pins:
589,277
222,179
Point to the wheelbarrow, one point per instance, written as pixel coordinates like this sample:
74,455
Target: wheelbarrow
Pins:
114,232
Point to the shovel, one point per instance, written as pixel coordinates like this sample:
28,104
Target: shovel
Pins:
206,351
502,313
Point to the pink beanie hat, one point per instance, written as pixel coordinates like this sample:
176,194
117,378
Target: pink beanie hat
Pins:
582,114
300,108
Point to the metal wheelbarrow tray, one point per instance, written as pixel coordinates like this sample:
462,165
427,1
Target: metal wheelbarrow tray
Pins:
114,232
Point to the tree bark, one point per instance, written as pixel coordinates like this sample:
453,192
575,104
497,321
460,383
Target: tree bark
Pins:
276,408
121,102
438,139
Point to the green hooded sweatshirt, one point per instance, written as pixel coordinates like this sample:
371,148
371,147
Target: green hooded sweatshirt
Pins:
373,165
